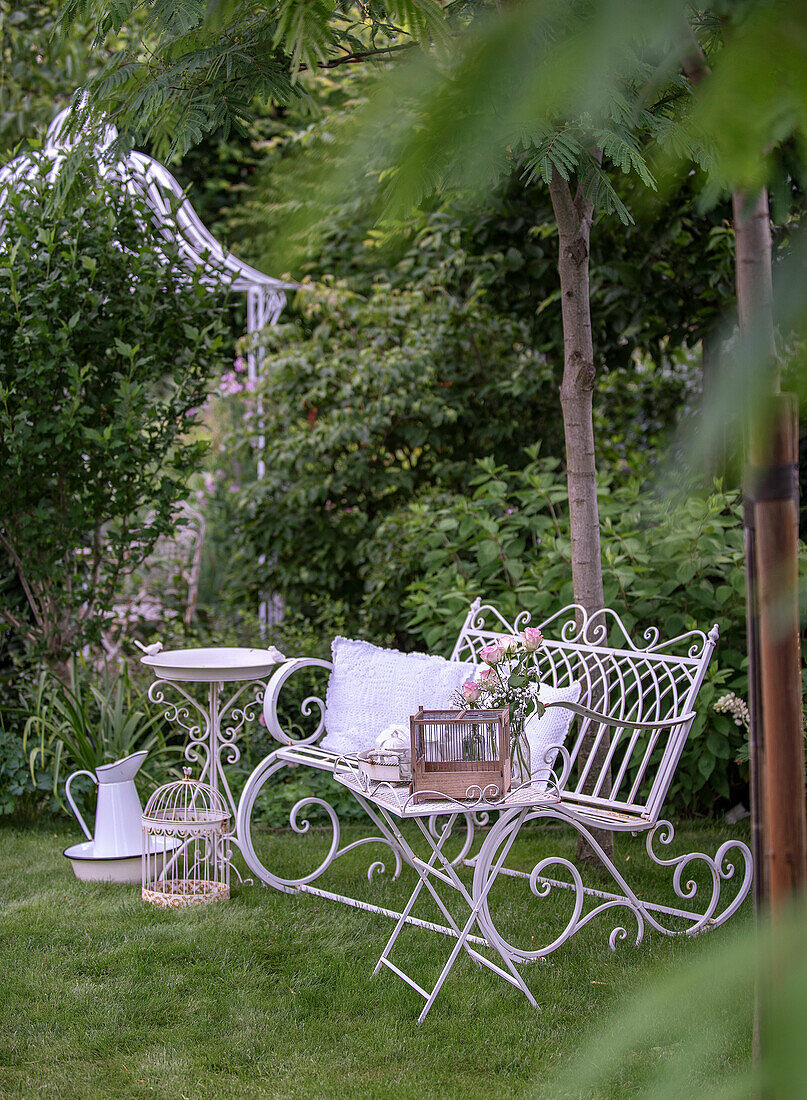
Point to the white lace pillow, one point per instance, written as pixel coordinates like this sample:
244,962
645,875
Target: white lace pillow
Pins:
550,729
371,688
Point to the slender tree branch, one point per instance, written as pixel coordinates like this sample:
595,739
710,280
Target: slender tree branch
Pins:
363,55
26,586
18,624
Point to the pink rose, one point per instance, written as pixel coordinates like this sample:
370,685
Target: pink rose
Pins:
532,638
508,641
492,654
485,675
470,691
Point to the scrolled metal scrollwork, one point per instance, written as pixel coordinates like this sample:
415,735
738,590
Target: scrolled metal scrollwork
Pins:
174,712
719,867
541,887
197,750
272,694
301,825
522,620
647,914
379,866
239,716
476,796
554,781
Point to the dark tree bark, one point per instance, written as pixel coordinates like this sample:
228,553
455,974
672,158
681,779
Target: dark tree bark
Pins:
779,820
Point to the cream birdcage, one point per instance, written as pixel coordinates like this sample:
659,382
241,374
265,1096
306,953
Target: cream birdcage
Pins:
194,818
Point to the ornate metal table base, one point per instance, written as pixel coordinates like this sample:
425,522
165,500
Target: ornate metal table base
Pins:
212,740
212,727
426,871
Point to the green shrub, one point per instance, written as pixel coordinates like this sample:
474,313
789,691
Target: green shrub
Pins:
22,793
106,345
366,400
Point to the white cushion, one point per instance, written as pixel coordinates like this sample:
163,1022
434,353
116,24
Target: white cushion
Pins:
371,688
550,729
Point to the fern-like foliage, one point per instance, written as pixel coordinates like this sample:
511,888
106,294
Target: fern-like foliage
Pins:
632,124
303,32
552,150
196,65
487,88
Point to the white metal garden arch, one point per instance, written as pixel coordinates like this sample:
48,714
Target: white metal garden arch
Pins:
173,218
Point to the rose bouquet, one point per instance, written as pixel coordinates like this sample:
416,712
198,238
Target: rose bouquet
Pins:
510,678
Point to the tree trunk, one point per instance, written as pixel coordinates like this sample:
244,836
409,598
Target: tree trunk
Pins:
779,820
753,284
752,269
574,215
777,746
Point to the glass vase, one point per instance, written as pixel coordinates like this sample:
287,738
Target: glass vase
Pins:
520,763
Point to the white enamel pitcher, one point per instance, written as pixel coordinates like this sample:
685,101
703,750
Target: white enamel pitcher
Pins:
118,813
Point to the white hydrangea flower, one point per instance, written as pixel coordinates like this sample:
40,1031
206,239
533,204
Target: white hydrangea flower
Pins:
732,704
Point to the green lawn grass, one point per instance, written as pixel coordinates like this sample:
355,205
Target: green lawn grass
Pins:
271,995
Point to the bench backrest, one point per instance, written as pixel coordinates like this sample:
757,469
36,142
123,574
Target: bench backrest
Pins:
653,683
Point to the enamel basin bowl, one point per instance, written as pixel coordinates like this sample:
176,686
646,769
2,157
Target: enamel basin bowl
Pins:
91,868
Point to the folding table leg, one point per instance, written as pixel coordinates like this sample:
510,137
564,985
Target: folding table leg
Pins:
450,877
514,978
413,860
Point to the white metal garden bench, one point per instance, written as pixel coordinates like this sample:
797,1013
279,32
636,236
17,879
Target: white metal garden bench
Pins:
640,697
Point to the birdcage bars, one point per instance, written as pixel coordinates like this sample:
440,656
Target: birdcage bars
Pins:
461,754
195,816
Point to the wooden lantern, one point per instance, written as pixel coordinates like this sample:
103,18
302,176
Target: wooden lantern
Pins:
462,754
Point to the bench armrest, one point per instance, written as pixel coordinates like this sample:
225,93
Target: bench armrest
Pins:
272,693
623,723
593,717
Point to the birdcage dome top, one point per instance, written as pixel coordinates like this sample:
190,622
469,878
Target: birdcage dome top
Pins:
186,804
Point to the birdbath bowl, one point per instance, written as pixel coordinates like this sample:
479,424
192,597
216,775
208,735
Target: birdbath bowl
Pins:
212,665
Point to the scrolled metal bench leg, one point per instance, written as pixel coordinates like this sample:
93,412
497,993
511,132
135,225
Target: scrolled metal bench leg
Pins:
646,914
300,824
541,886
719,867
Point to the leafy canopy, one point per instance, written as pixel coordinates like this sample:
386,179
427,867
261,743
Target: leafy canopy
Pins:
198,67
39,72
